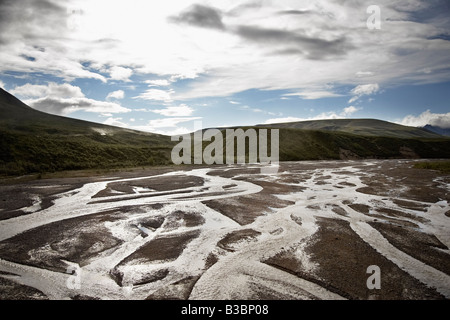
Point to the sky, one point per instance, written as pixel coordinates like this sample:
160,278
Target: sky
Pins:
162,66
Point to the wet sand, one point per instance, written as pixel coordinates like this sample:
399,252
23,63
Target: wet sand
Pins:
309,231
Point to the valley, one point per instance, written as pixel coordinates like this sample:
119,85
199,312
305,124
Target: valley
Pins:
309,231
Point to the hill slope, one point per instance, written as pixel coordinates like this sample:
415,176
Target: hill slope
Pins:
438,130
34,141
364,127
299,144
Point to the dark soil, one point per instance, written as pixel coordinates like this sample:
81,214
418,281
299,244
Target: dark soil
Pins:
343,258
76,239
10,290
232,238
417,244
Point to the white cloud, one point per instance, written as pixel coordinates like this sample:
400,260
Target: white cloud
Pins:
168,132
322,116
117,122
441,120
284,119
2,84
257,110
237,49
167,126
63,99
118,94
350,110
156,94
312,95
234,102
364,74
52,89
65,106
180,111
363,90
120,73
170,122
157,83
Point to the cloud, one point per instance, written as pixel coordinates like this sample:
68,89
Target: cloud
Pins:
117,122
332,29
364,74
53,89
65,106
363,90
156,94
284,120
120,73
12,11
294,12
322,116
2,84
294,42
282,41
180,111
441,120
157,83
200,16
257,110
63,99
313,94
265,45
174,131
170,122
350,110
118,94
34,37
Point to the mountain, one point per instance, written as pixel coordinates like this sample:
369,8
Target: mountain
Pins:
301,144
357,139
363,127
438,130
34,141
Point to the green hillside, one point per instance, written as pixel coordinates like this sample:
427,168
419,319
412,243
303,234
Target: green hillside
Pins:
364,127
299,144
34,141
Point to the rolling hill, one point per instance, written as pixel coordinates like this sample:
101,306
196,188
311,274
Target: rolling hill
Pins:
438,130
363,127
34,141
300,144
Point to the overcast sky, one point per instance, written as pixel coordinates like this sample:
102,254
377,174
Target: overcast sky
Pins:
159,66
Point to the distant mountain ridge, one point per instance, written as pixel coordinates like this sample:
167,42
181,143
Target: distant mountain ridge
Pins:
438,130
364,127
33,141
16,115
